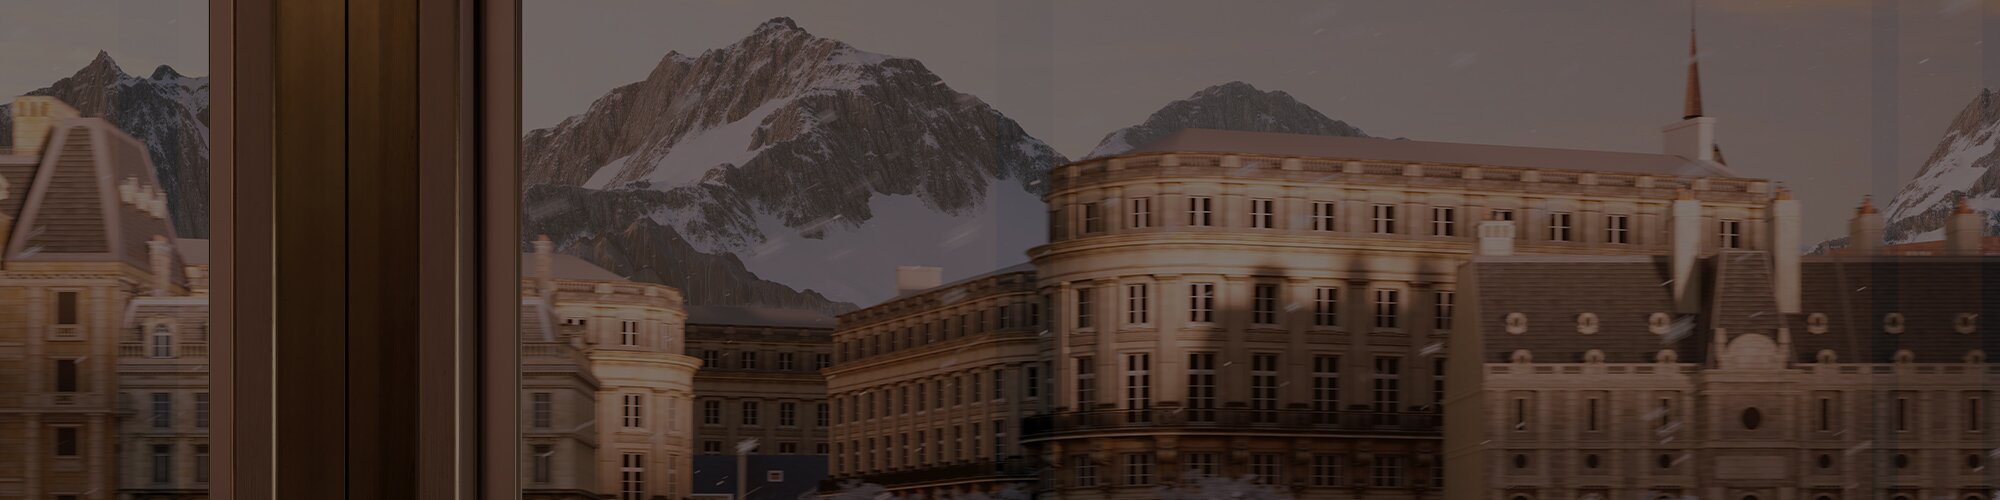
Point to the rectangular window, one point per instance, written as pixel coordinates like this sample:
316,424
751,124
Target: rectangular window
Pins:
999,439
1617,229
958,390
1501,215
975,385
1520,414
632,477
163,463
544,410
1389,471
163,341
1825,414
1263,213
786,362
1093,218
820,414
1388,389
201,410
748,359
201,463
1326,470
1033,387
1141,213
1326,306
1264,388
713,359
1138,387
66,375
1384,218
1138,469
1201,387
628,333
1323,215
66,444
1902,414
1202,465
1444,221
711,413
975,441
1326,389
1973,406
1386,307
1437,383
1201,302
1732,234
999,384
1086,384
1591,416
822,361
788,414
1666,414
544,463
1083,472
1264,304
1035,313
1001,318
903,400
1442,303
635,411
66,312
163,410
1083,307
1559,226
1201,211
1264,468
1137,304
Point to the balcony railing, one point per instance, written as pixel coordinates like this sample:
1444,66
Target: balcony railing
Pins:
65,332
1232,419
1009,468
184,350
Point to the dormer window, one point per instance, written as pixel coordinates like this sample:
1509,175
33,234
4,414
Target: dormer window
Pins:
162,341
1904,356
1586,323
1522,356
1517,323
1816,323
1966,323
1593,356
1892,323
1659,323
1667,356
1827,357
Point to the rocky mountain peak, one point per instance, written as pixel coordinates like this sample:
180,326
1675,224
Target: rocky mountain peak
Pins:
165,72
780,22
1229,106
1960,168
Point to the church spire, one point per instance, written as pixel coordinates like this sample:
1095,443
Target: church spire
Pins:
1692,108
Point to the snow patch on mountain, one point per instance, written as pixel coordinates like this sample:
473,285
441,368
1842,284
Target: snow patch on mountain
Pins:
1961,167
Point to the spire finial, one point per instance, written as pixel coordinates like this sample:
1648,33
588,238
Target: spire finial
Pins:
1867,205
1692,107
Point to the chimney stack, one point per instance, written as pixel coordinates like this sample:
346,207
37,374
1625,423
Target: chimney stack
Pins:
1864,231
34,116
545,255
162,254
1496,237
1963,230
913,279
1785,250
1686,239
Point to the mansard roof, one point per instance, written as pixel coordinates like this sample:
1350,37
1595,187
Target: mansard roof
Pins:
88,200
1428,152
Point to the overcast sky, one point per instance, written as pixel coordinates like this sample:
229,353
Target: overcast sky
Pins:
1792,82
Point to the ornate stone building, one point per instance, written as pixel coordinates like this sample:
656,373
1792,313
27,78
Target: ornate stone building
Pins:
929,389
1766,376
760,380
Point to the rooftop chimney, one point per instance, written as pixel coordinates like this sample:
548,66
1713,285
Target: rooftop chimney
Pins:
34,116
1864,231
545,255
1785,250
162,254
1496,237
913,279
1686,238
1963,230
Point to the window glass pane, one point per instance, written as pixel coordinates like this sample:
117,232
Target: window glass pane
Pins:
104,220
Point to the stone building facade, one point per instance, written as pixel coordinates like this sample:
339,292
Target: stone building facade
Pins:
760,381
929,389
1856,376
1276,306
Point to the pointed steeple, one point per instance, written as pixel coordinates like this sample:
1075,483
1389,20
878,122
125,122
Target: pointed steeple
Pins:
1692,108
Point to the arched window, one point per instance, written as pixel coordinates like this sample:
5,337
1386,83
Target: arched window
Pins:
1752,418
162,340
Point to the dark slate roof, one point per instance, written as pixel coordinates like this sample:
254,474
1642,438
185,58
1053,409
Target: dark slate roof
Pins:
1739,297
758,316
1856,294
1552,292
1442,153
73,210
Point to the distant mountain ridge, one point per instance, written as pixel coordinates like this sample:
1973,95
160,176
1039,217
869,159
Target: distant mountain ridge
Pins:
1230,106
1961,166
166,110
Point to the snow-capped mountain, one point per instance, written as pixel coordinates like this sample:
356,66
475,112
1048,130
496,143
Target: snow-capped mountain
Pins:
167,110
801,159
1229,106
1962,166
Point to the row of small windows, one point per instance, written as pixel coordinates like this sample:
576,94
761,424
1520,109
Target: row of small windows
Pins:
751,414
974,322
751,360
1895,323
909,450
714,447
1387,306
1826,413
1383,218
929,394
1385,384
1325,470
